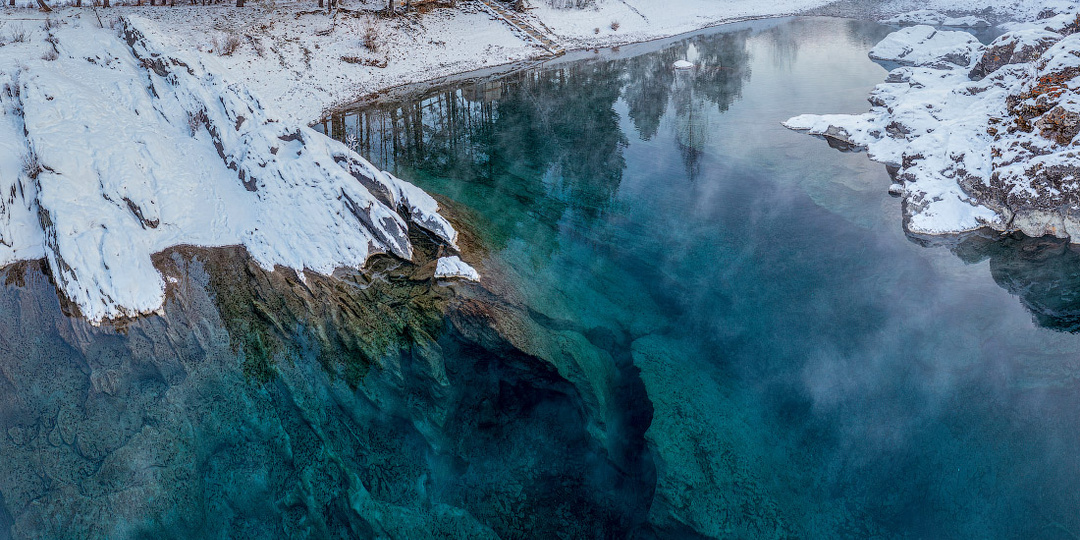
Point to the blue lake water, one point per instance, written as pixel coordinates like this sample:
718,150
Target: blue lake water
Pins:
812,371
692,323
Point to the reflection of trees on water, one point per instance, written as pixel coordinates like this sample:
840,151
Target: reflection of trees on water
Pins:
558,125
865,34
722,67
691,122
1043,272
783,45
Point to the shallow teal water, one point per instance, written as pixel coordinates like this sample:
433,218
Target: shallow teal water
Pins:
811,370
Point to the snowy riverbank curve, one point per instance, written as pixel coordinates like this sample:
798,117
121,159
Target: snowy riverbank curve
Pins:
990,142
136,147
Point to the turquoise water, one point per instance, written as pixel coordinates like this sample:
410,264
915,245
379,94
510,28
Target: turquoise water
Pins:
693,323
810,370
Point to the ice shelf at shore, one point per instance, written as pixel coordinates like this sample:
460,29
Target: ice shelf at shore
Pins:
115,144
976,136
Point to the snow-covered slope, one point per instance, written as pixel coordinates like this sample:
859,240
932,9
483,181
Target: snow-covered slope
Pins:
989,140
114,147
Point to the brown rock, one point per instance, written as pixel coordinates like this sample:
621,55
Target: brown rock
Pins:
1013,48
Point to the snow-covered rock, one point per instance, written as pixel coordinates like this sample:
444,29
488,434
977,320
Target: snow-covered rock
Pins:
1016,47
1002,151
920,16
924,45
967,21
454,267
114,148
936,18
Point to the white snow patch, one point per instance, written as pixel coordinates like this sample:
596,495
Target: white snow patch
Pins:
935,18
924,45
919,16
454,267
968,21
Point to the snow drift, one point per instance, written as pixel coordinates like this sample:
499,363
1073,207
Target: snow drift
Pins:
115,147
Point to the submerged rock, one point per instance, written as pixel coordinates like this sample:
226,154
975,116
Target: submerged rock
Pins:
375,404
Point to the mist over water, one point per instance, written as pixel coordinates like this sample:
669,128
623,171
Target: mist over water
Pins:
812,370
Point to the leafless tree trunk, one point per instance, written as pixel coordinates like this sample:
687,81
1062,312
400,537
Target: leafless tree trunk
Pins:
44,7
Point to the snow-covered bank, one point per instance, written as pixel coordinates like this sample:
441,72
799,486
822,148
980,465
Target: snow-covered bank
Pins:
304,62
616,22
116,148
977,136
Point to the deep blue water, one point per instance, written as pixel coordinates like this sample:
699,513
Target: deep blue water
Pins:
692,323
812,370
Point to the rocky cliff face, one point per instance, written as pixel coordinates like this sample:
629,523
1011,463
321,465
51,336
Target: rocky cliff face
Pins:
118,145
977,136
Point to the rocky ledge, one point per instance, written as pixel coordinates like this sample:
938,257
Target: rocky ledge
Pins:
116,144
976,135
